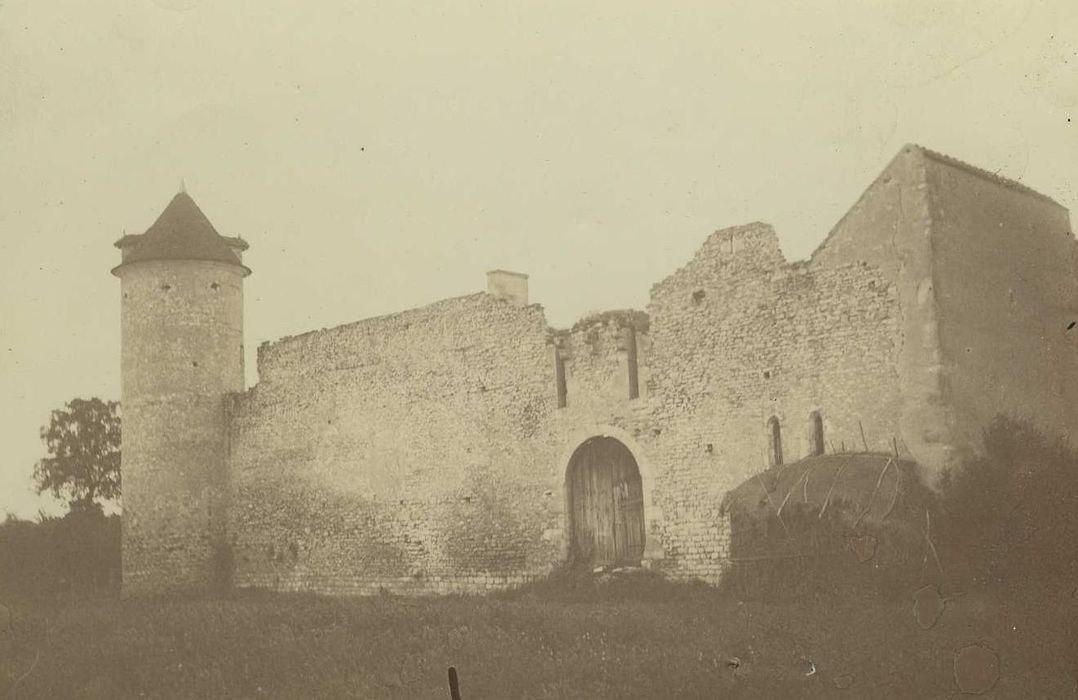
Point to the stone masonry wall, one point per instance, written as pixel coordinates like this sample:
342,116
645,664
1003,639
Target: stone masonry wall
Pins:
889,228
738,336
426,451
984,270
419,452
598,402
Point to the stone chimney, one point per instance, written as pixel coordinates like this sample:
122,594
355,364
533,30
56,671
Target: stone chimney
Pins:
511,286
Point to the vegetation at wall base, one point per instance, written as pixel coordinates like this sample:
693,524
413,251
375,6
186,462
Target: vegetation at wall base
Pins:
1010,514
74,557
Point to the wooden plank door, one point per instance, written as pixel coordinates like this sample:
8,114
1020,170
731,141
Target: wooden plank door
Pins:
580,487
606,504
602,505
628,495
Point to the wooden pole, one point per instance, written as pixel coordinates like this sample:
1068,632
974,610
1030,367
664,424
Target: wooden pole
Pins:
454,684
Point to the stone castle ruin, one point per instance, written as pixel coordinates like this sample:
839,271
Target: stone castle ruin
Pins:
465,446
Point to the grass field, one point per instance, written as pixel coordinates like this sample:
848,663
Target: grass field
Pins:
644,639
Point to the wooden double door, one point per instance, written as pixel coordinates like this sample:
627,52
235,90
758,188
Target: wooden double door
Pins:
606,504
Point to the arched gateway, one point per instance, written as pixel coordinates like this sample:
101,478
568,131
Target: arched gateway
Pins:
606,504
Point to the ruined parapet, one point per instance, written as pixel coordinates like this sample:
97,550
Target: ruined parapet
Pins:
728,255
408,452
603,358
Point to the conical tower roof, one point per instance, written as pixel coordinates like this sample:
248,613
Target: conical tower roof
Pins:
181,232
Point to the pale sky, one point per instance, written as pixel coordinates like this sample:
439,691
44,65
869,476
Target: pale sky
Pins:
382,155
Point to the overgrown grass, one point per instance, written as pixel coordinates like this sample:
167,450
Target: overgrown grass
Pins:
605,641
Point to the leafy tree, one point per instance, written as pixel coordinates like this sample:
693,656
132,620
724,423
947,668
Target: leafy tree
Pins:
83,448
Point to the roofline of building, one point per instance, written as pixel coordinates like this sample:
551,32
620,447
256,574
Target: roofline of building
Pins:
507,272
236,242
116,270
938,157
984,174
130,238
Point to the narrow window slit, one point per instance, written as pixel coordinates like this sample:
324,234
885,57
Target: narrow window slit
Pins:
816,443
559,378
775,437
634,375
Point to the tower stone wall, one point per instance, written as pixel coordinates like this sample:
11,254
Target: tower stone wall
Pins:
182,353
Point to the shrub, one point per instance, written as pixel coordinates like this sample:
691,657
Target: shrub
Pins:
78,554
1011,513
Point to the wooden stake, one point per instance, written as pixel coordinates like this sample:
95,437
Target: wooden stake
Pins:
931,547
894,496
454,684
872,496
772,503
803,476
834,482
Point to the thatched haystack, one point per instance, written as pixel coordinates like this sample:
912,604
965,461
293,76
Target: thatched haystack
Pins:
833,519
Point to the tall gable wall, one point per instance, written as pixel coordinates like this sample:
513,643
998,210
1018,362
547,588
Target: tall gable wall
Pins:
1007,295
985,274
889,229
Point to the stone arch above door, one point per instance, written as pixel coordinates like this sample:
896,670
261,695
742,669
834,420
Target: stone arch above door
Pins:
652,514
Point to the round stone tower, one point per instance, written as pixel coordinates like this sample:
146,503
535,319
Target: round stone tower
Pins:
181,355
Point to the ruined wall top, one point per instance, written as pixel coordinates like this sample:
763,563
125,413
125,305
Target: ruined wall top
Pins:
728,255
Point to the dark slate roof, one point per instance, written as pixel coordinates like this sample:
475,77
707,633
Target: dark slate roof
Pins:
181,232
